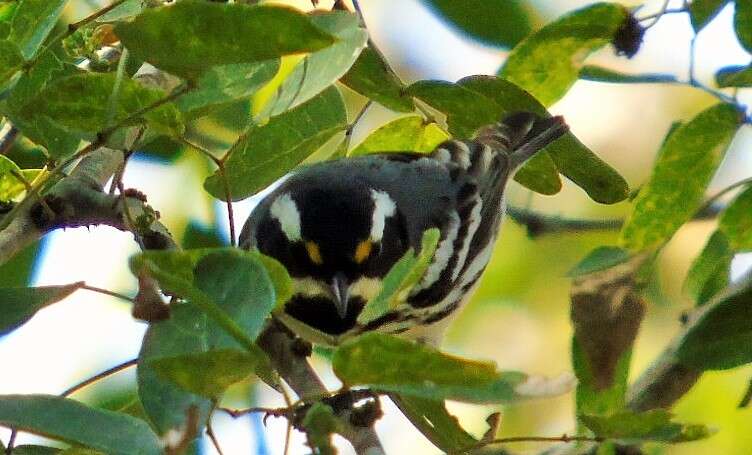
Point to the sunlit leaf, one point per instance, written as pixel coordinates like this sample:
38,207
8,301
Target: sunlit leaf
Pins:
701,12
225,84
548,62
206,373
736,221
497,22
393,364
32,22
372,77
71,421
125,10
406,134
317,71
401,278
186,38
743,23
267,152
83,103
599,259
11,60
601,74
686,162
734,76
654,425
720,337
710,270
18,305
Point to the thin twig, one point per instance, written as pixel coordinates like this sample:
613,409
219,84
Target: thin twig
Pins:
106,292
76,25
98,377
538,224
213,437
11,441
236,413
33,192
562,438
744,402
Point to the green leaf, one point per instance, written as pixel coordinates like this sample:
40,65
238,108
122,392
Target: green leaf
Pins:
317,71
497,22
589,397
184,333
34,450
401,278
33,21
18,305
601,258
710,270
701,12
125,10
721,336
435,422
654,425
267,152
548,62
197,235
222,85
219,34
10,186
393,364
406,134
476,101
207,373
734,76
283,287
71,421
686,162
743,23
736,221
40,128
372,77
320,423
16,272
601,74
82,103
11,60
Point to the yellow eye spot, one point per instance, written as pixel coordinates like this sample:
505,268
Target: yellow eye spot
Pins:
314,253
363,251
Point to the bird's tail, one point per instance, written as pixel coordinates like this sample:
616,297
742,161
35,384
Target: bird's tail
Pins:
522,135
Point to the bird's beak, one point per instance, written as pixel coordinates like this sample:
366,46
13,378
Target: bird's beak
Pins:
341,291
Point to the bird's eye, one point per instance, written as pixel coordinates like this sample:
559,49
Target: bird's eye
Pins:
363,251
314,253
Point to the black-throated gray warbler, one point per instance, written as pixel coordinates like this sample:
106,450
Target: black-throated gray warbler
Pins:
339,226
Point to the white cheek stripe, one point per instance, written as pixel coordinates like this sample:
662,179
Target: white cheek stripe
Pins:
441,257
474,222
383,208
286,212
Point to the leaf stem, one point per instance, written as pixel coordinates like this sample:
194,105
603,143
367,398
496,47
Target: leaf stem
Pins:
94,16
99,376
106,292
213,437
562,438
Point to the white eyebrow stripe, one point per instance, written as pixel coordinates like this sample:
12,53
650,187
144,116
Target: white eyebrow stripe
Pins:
285,210
383,208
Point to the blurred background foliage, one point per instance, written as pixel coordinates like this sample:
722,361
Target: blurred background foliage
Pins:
519,316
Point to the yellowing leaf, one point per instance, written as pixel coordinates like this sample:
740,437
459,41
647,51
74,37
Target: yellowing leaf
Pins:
406,134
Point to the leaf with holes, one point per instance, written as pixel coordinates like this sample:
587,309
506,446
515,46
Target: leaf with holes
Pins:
266,152
686,161
319,70
220,34
548,62
497,22
406,134
372,77
393,364
68,420
18,305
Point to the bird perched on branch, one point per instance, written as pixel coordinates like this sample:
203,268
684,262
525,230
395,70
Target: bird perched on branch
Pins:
340,226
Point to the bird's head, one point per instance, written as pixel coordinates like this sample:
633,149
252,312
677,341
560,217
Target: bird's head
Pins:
337,245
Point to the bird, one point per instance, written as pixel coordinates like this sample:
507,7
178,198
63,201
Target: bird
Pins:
339,226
